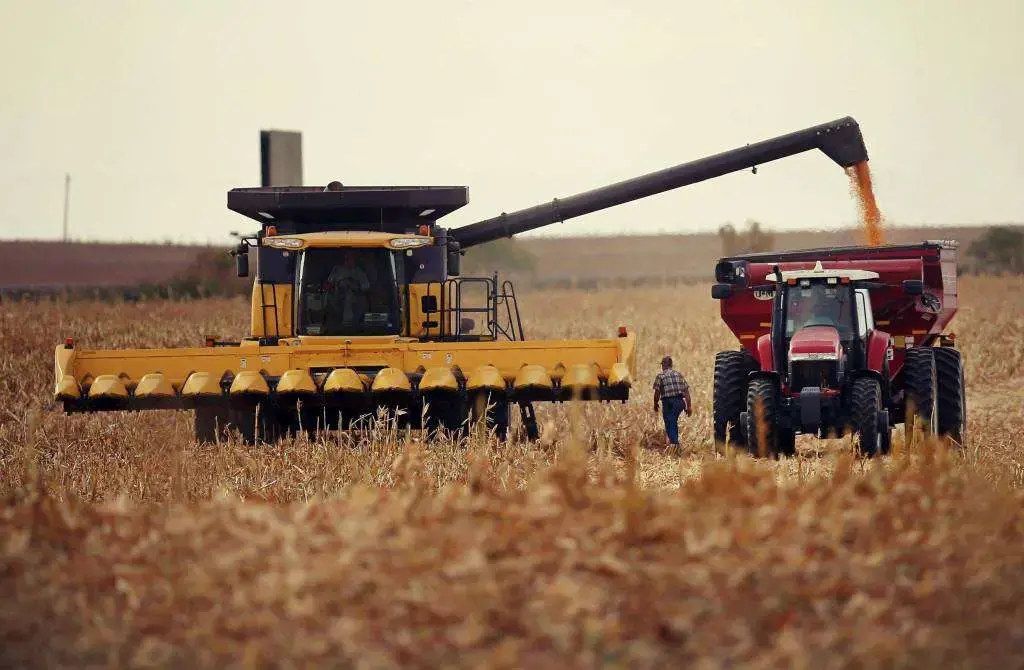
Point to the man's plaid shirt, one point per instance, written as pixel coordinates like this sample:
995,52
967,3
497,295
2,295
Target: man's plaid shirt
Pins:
671,383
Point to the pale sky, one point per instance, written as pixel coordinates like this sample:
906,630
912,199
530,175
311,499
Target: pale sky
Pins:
155,108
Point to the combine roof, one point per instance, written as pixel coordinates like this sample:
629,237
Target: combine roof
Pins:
302,209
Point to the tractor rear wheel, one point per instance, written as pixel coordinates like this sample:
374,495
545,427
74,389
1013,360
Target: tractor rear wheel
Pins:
868,421
952,401
730,394
919,385
762,417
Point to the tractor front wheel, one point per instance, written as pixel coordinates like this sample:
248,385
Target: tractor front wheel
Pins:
868,420
762,417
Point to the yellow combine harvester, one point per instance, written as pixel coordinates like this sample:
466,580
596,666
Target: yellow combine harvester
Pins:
358,304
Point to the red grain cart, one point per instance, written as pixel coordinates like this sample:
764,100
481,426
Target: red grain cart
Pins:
838,340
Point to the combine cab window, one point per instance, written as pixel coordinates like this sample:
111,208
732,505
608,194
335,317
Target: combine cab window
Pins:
347,292
819,304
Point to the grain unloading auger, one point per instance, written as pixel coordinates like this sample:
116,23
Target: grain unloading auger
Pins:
358,304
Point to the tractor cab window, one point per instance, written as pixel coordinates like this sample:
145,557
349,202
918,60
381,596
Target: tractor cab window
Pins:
347,292
817,303
865,317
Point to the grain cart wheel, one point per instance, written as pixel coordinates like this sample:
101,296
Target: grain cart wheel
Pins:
730,394
919,385
868,423
952,401
762,403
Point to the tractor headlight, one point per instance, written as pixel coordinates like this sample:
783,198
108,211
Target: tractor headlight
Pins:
283,242
408,242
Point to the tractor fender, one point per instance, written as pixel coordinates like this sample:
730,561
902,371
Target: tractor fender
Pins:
764,353
878,346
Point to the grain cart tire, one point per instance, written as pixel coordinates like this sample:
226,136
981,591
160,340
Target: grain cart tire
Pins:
919,384
952,401
730,394
762,441
866,399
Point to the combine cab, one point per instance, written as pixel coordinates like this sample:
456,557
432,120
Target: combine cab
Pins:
838,340
358,304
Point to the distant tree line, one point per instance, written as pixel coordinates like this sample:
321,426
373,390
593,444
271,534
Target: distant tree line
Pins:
752,240
999,250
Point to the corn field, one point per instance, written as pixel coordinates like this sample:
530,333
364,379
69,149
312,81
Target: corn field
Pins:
123,543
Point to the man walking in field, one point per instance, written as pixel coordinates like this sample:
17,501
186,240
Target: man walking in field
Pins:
671,389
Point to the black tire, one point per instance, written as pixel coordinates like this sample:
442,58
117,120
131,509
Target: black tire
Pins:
952,401
729,397
448,412
762,441
919,385
258,423
210,423
866,404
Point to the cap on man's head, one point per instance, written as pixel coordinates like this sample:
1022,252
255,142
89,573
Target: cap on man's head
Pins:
666,362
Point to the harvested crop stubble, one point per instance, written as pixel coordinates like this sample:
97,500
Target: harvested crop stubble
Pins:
916,566
124,543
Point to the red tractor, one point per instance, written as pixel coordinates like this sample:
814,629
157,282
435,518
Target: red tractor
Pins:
838,340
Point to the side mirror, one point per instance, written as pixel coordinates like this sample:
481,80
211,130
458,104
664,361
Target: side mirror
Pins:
721,291
242,264
428,304
913,286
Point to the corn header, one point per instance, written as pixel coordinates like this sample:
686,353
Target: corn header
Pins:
358,304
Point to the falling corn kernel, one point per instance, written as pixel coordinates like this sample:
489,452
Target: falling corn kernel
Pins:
870,215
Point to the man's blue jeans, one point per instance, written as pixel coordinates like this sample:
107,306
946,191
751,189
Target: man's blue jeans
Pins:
671,408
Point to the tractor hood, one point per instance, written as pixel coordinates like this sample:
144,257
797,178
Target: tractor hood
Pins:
815,343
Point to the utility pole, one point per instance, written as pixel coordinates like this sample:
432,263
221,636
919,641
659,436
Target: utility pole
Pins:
67,195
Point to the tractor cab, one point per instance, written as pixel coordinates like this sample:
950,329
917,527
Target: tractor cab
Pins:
822,321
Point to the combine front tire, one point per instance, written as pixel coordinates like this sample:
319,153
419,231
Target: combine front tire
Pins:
919,384
762,418
952,400
209,422
869,422
730,394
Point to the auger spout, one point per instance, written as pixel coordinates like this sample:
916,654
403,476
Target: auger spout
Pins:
840,140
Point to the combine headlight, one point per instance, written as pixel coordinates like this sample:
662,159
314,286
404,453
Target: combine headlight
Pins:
408,242
283,242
